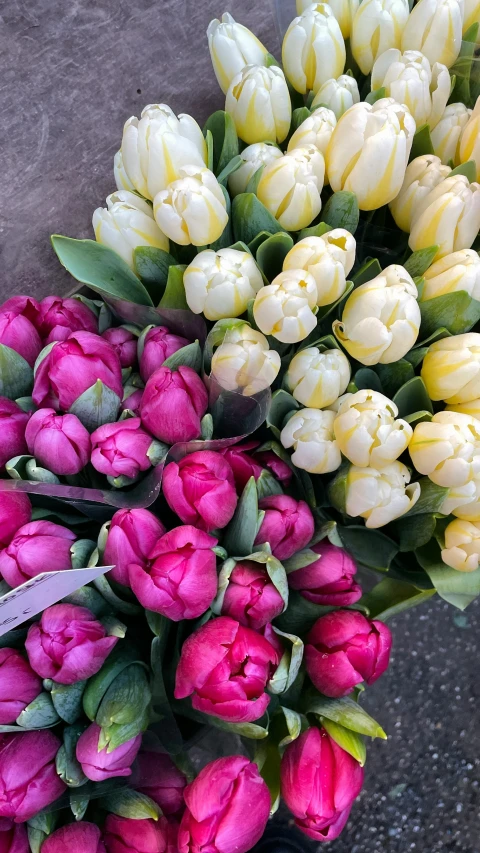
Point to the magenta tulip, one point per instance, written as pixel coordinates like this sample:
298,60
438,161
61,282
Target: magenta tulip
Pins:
173,404
27,306
287,526
345,648
228,806
153,349
280,470
226,667
124,343
201,490
156,776
133,401
131,537
121,449
59,317
39,546
19,685
79,837
68,644
13,421
59,443
330,580
319,783
242,464
124,835
74,365
180,578
14,839
19,334
15,511
99,765
28,779
251,598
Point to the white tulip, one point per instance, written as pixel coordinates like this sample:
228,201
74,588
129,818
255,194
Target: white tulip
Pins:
156,146
315,130
221,284
290,187
463,501
451,369
244,362
458,271
328,258
254,157
344,10
368,430
447,448
422,175
381,319
380,496
232,47
376,27
126,224
310,433
469,147
259,102
462,545
338,95
471,14
448,217
122,181
193,208
410,79
435,28
313,49
316,378
472,408
446,135
285,308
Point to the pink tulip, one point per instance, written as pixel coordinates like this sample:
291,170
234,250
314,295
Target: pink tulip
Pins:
275,465
319,782
74,365
121,449
15,511
39,546
79,837
131,536
330,580
180,578
14,839
242,464
153,349
228,806
200,489
68,644
13,421
226,667
59,443
27,306
287,526
345,648
133,401
19,685
124,835
19,334
60,317
125,344
173,404
99,765
28,778
156,776
251,598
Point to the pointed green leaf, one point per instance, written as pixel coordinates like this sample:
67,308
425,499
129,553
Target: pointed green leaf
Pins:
346,713
371,548
40,714
391,596
272,253
127,607
250,216
419,261
231,167
469,170
125,699
281,405
457,312
375,95
342,211
298,117
412,397
315,230
240,534
67,700
350,741
393,376
414,531
79,803
130,804
189,356
174,296
225,139
68,767
209,141
152,267
367,272
122,656
16,375
458,588
422,143
430,500
96,406
366,378
289,666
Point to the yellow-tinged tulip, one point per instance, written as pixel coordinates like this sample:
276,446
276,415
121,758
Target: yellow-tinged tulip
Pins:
254,157
232,47
127,223
317,379
422,175
221,284
192,209
451,369
259,102
463,501
122,180
376,27
315,130
369,150
343,10
447,448
446,135
244,362
380,496
410,79
381,319
462,546
310,433
471,408
368,430
471,14
290,187
328,258
448,217
435,28
458,271
338,95
313,49
285,308
469,148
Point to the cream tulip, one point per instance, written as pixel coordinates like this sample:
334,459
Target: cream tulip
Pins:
381,319
379,496
422,175
343,10
471,408
369,150
435,28
285,308
376,27
310,433
221,284
232,47
446,135
463,501
447,448
290,187
462,545
254,157
193,208
368,430
259,102
458,271
316,378
156,146
244,362
122,181
410,79
451,369
315,130
313,49
328,258
338,95
471,14
469,147
126,224
449,217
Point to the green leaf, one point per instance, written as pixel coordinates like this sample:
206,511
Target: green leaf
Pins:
390,597
342,211
281,405
162,715
254,731
298,117
252,185
350,741
419,261
152,266
315,230
225,139
130,804
209,141
40,714
458,588
96,406
229,169
272,253
417,417
174,296
436,336
346,713
412,397
16,375
240,534
413,531
68,767
366,378
462,68
81,551
250,216
371,548
375,95
422,143
189,356
367,272
67,700
79,803
226,237
430,500
122,656
393,376
126,698
300,614
469,169
457,312
289,666
129,608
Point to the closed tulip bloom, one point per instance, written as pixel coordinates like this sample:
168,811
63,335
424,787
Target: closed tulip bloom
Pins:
154,347
317,379
173,404
59,443
251,598
471,14
100,764
193,208
449,217
435,28
13,422
422,175
39,546
285,308
381,318
319,783
379,496
290,188
157,146
344,11
29,779
125,835
310,433
368,431
471,408
228,806
156,776
451,369
19,685
369,150
59,317
345,648
338,95
328,259
243,465
313,49
232,47
124,343
452,273
287,525
447,448
14,838
26,306
123,449
462,545
126,225
254,157
221,284
446,134
463,501
131,537
259,102
83,837
469,147
410,79
18,333
122,181
200,489
278,467
315,130
330,580
377,26
243,361
132,399
15,511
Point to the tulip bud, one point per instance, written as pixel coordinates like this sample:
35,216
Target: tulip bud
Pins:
422,175
377,26
371,140
59,443
469,147
254,157
315,130
157,146
338,95
100,764
18,333
132,533
319,782
19,685
29,779
463,501
15,511
278,467
434,27
156,776
446,134
200,489
39,546
173,404
381,318
221,284
83,837
210,661
313,49
449,217
125,225
452,273
451,369
244,362
124,343
125,835
242,464
287,525
310,433
285,308
14,838
344,11
122,181
193,208
123,450
228,806
447,448
317,379
251,597
155,345
377,496
462,545
410,79
328,258
290,188
367,431
471,14
232,47
13,421
259,102
330,580
58,318
345,648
